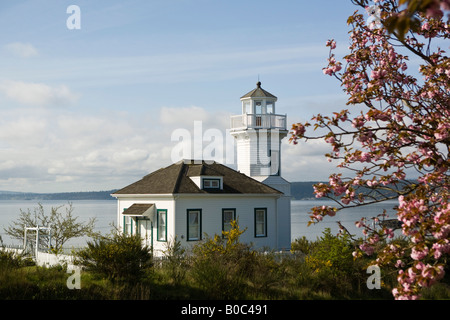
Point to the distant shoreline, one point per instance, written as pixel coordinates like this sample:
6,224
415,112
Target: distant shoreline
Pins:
299,191
86,195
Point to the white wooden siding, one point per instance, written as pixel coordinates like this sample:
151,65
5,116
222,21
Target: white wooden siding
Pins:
211,219
166,203
253,152
212,206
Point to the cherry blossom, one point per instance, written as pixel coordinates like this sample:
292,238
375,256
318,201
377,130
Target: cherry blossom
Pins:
393,137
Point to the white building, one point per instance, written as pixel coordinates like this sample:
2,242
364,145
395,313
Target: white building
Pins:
258,132
191,198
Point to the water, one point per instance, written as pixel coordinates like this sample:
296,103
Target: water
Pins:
105,212
300,212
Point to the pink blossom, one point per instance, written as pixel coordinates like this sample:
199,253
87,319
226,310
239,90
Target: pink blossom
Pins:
389,233
419,254
331,44
442,131
330,139
372,183
399,264
298,129
442,232
368,249
357,122
365,157
441,248
425,26
328,71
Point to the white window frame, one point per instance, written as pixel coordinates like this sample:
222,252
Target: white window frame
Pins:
194,228
127,225
161,228
211,183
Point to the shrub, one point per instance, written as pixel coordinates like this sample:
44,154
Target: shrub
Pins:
175,262
12,259
301,245
332,264
118,257
222,264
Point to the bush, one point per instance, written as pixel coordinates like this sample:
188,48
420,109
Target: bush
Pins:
221,265
301,246
268,275
11,259
118,257
175,262
332,266
333,252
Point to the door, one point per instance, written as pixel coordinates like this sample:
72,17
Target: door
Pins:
144,228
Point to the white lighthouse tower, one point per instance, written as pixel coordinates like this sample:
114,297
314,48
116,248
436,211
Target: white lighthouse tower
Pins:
258,132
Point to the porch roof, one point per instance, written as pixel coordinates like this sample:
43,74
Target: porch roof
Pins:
140,210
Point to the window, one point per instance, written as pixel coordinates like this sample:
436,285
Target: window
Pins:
228,215
270,108
261,222
258,107
211,184
127,225
247,107
161,225
194,224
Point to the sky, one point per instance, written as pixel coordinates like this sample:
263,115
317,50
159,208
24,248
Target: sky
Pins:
95,107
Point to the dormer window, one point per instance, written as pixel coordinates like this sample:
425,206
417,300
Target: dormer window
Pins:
209,183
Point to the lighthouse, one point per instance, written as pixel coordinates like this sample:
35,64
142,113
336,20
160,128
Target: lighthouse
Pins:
258,132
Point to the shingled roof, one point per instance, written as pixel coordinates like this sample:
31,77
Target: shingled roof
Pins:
175,179
258,92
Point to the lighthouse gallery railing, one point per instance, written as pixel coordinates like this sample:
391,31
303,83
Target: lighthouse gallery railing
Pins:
258,121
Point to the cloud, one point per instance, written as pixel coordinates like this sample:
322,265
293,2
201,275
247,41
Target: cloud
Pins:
306,161
37,94
185,117
23,50
58,150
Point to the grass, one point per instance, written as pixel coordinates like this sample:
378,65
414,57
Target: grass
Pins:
40,283
324,270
